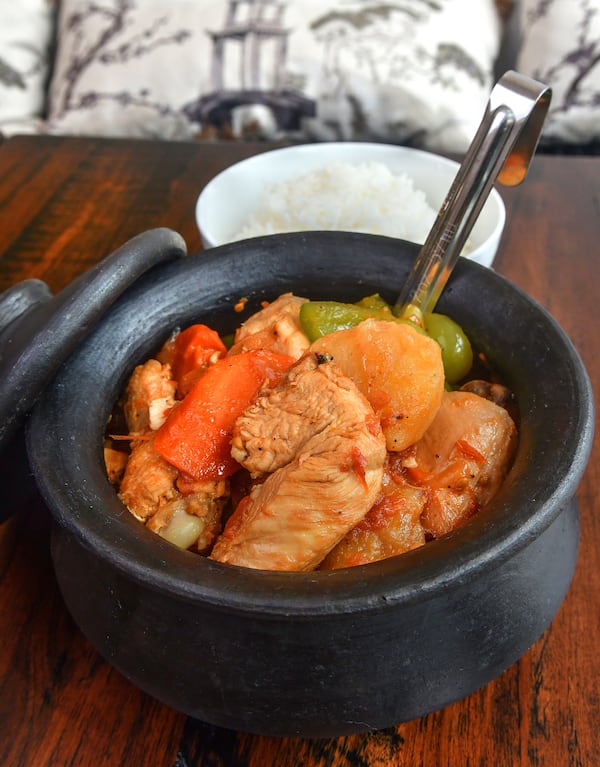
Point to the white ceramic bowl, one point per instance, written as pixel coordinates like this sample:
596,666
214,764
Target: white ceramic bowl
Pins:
233,195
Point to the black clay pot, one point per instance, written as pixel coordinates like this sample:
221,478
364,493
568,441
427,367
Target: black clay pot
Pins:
324,653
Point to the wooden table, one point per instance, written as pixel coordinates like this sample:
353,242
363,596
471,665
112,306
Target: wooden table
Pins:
64,204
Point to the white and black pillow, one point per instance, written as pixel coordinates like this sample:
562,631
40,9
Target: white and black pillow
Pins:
560,45
26,29
407,71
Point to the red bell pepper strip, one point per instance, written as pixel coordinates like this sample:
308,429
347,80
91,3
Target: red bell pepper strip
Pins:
196,437
193,349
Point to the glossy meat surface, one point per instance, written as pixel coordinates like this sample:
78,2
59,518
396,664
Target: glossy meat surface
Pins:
357,454
149,396
275,327
319,437
184,511
149,481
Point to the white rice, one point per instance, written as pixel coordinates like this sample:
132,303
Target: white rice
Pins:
366,197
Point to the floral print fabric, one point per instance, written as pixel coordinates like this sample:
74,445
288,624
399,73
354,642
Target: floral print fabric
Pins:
561,47
406,71
25,36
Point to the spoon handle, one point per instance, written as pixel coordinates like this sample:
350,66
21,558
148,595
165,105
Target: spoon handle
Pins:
502,149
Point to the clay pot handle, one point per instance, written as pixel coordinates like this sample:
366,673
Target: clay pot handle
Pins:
39,330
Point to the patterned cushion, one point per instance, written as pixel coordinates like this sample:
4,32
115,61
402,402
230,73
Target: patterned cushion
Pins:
560,46
407,71
25,39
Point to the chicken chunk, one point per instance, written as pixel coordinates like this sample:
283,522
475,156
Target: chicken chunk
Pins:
398,369
276,327
462,459
183,510
149,396
322,448
148,482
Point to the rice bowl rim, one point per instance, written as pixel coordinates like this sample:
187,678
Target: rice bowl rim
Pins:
225,203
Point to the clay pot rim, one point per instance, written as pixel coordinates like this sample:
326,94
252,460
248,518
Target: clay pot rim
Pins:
82,500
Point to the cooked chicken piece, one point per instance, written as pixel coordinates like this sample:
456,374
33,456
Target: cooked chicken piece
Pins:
320,437
276,327
462,459
183,510
149,396
397,368
391,526
148,482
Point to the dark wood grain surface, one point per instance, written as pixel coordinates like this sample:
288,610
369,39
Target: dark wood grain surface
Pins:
64,204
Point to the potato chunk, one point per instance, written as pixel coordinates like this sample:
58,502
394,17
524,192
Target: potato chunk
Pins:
398,369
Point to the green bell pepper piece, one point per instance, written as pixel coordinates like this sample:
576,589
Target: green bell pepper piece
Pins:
318,318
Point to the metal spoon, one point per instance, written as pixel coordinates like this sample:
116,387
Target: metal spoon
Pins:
501,150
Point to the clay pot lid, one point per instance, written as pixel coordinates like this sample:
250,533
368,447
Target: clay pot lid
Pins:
39,330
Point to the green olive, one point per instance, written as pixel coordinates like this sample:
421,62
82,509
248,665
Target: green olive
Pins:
457,354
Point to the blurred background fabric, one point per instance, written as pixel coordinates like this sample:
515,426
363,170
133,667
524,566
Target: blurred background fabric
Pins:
410,72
